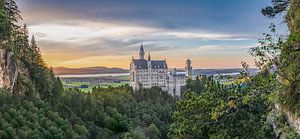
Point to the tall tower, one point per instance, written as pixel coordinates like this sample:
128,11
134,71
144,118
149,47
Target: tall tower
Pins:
188,68
142,52
149,61
149,57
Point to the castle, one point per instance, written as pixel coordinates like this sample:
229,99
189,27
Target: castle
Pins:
149,73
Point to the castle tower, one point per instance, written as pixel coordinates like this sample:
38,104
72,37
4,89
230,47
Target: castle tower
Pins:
149,61
149,57
188,68
142,52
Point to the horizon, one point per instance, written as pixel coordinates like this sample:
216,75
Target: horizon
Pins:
104,33
170,68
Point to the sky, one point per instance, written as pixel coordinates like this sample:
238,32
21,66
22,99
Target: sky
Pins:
212,33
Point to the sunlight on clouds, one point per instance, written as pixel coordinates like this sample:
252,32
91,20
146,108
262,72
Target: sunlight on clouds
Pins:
123,61
222,47
82,34
73,33
108,61
77,30
205,35
80,43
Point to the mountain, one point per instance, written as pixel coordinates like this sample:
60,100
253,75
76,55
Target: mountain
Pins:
103,70
220,71
88,70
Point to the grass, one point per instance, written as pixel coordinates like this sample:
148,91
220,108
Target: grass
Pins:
90,86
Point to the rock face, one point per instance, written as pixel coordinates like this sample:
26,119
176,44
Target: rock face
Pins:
291,118
8,70
294,121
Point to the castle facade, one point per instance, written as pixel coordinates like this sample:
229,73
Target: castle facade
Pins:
147,73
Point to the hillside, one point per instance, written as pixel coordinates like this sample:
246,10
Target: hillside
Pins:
221,71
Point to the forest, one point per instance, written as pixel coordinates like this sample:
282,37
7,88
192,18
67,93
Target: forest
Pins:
39,107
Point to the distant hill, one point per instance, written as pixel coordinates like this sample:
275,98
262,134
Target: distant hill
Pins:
103,70
88,70
220,71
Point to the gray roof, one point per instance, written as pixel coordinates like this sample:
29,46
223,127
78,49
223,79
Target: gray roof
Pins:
155,64
140,63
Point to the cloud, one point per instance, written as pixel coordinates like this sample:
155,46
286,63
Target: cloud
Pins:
206,36
222,47
81,30
229,16
76,32
71,42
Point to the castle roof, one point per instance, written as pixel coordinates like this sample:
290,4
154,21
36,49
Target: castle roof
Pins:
155,64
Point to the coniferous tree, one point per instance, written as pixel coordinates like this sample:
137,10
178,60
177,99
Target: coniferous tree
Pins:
5,28
9,15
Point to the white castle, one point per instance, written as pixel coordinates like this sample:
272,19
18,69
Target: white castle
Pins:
149,73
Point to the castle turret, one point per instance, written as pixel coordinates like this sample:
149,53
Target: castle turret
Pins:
188,68
149,57
149,61
142,52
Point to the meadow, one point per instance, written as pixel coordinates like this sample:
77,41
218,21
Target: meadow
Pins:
86,84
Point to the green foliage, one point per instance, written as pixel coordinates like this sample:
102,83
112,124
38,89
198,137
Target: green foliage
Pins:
104,113
9,16
153,132
23,118
278,120
290,75
4,23
46,85
34,77
117,112
211,110
278,6
234,112
283,55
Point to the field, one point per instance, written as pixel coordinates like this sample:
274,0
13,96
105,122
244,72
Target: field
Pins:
86,84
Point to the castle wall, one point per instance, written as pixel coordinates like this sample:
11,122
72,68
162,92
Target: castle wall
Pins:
147,74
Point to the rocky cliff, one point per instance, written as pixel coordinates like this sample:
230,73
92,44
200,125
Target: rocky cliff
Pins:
11,69
284,123
8,70
294,121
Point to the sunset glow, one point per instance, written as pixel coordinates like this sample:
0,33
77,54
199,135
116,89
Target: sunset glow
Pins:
96,35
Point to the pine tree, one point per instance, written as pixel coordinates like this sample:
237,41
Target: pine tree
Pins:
13,12
5,29
37,56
